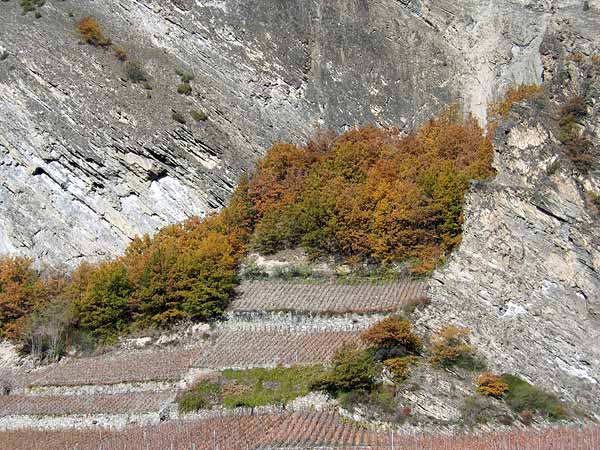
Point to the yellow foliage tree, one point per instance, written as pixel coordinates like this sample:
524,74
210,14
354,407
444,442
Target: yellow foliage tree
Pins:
21,292
451,346
491,385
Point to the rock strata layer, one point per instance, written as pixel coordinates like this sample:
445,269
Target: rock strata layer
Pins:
526,278
89,158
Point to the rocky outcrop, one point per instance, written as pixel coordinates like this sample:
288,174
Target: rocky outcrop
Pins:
88,158
526,278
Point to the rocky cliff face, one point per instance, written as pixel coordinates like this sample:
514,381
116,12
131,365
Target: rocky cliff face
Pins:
88,159
526,278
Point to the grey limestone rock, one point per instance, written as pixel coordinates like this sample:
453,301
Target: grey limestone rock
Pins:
88,158
526,277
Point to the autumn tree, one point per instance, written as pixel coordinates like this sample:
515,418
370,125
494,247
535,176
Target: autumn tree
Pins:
392,333
104,309
21,292
451,346
370,193
187,270
491,385
92,32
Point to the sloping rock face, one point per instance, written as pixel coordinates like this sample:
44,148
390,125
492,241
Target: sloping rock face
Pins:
88,159
526,278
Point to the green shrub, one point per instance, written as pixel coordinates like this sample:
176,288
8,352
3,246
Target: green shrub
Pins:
294,272
184,89
595,200
252,271
185,77
522,396
553,167
477,410
135,72
199,116
178,117
381,401
32,5
577,146
352,369
200,396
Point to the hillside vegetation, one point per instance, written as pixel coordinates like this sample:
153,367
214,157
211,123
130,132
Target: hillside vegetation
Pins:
368,194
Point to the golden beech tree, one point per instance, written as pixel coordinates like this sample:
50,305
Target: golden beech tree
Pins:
91,31
491,385
392,332
451,346
371,193
21,292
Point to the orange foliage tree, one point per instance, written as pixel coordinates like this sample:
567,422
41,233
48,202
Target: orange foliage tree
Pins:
392,332
515,94
370,193
491,385
92,32
186,271
21,292
451,346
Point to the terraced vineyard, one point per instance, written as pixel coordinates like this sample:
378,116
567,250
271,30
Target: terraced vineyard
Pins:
124,391
62,405
299,430
165,365
243,349
328,297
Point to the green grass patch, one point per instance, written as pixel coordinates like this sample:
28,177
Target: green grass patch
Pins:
251,388
267,386
32,6
522,396
595,200
201,396
199,116
184,89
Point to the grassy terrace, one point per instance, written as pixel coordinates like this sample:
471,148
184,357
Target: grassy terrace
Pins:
251,388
